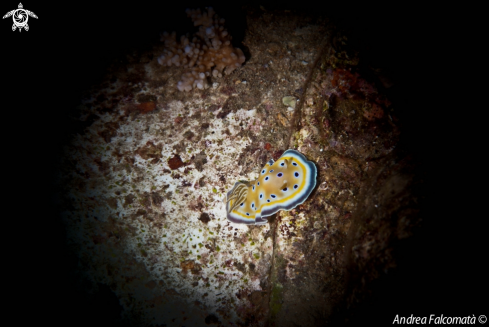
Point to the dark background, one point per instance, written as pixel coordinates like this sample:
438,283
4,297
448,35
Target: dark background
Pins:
66,50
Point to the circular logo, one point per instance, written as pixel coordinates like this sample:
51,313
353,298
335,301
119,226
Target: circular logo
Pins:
20,17
482,319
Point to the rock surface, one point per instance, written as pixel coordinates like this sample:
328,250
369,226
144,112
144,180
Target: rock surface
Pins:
144,183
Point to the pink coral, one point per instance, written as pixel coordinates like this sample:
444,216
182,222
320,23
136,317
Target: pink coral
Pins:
208,52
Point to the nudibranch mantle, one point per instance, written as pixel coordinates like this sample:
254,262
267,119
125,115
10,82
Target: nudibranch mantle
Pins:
282,185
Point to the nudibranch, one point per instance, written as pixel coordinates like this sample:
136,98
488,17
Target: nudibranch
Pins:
282,185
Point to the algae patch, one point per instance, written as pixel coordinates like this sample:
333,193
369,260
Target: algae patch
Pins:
276,299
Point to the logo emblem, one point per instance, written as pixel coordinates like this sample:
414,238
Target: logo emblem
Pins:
20,17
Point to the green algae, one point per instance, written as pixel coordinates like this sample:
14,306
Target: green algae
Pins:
276,299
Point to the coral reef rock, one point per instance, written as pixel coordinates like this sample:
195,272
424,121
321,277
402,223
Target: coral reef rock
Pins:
208,52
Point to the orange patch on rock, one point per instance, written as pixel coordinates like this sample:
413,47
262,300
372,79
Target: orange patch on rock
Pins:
146,107
178,120
175,162
343,79
375,112
191,265
187,264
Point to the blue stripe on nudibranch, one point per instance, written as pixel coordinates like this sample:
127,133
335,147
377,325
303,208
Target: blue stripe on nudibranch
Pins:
286,183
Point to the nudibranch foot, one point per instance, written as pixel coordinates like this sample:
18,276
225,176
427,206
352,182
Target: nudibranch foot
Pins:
282,185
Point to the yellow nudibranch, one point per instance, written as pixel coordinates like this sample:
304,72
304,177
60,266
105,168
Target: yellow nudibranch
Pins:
282,185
